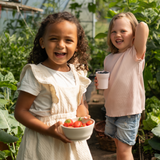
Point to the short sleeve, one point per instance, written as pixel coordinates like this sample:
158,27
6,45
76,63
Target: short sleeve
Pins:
29,83
83,72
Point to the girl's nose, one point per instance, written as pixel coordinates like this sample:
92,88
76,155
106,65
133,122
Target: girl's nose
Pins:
118,34
60,44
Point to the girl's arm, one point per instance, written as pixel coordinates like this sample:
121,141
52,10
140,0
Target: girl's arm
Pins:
23,115
82,110
140,40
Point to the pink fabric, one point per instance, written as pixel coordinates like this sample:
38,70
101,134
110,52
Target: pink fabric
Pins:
125,94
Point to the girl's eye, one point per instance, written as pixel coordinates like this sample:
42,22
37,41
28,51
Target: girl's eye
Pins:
123,31
68,40
113,32
53,39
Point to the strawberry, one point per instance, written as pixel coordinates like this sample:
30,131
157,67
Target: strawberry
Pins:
89,122
68,122
78,123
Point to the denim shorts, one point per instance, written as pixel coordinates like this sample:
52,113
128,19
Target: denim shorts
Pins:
123,128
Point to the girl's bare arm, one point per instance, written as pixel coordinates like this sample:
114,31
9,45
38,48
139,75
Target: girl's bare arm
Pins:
23,115
140,40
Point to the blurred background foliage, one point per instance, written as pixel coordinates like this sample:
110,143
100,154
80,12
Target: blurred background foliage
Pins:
17,42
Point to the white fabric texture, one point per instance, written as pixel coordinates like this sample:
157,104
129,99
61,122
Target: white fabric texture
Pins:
62,78
53,103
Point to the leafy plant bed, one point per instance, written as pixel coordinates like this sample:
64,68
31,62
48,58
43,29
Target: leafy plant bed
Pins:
142,150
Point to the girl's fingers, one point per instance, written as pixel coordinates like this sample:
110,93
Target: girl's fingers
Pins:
64,139
87,117
57,134
95,82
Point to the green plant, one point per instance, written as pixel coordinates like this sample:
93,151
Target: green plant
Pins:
11,131
97,56
152,113
14,52
155,141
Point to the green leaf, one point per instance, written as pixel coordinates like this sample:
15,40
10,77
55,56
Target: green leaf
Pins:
147,76
151,121
158,74
75,5
155,20
156,131
155,143
132,1
152,104
7,153
2,155
157,56
101,35
112,4
19,131
3,101
9,77
147,5
7,84
111,14
92,7
3,120
7,138
79,119
140,17
7,121
1,96
12,121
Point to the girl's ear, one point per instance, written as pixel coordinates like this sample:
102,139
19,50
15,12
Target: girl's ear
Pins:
41,43
133,39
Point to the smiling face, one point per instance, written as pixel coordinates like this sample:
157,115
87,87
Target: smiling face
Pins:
122,34
60,42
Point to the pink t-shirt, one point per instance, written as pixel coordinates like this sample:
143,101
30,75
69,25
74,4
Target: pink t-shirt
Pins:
125,94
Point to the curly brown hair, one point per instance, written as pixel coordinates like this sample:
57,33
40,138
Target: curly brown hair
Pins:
80,58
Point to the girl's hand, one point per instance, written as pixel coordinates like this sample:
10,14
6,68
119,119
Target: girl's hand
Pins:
54,132
96,82
82,111
87,117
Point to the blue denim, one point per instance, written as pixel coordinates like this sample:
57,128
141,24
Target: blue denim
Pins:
123,128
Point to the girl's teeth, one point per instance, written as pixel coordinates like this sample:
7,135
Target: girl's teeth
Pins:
60,53
119,41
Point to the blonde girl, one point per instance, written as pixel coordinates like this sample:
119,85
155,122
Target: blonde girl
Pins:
125,96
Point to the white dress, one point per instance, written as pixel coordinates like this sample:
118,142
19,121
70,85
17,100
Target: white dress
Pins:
52,104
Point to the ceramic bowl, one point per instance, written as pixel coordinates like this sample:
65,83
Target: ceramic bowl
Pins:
81,133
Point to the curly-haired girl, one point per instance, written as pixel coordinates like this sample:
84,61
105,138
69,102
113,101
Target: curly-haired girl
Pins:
51,90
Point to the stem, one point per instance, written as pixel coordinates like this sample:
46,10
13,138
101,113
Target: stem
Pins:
13,144
11,150
97,91
143,134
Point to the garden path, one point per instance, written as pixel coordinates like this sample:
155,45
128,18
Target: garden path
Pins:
96,104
